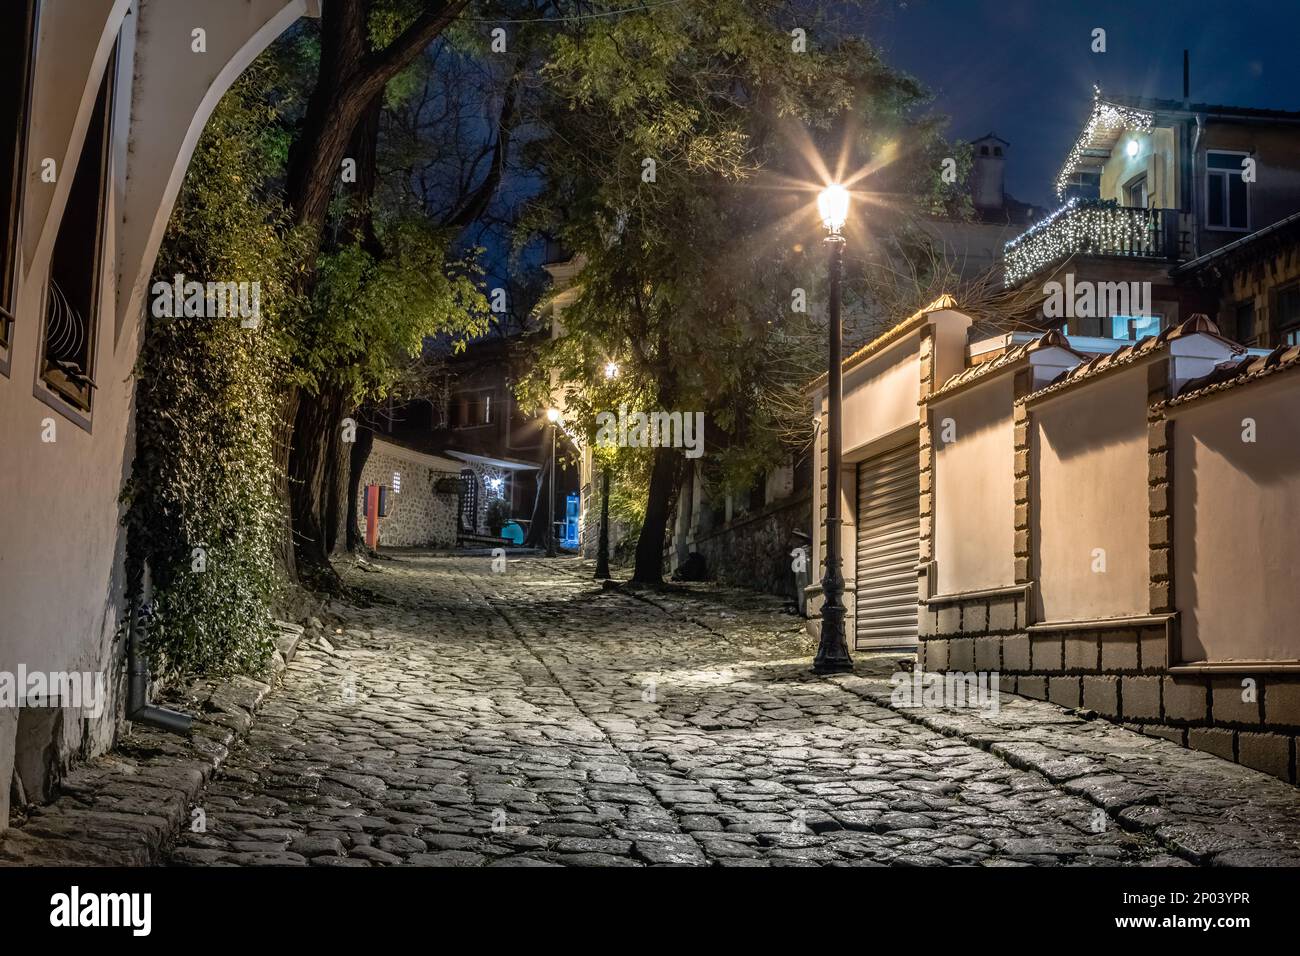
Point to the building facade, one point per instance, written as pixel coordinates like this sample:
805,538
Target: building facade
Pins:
105,102
1148,185
1106,524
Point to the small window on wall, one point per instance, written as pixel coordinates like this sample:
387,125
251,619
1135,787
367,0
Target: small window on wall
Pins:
1288,317
472,409
17,46
1244,320
1135,327
1227,195
72,292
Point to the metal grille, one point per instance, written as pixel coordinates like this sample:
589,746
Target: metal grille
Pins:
888,548
468,501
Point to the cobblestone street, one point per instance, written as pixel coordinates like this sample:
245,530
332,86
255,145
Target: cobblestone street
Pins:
530,718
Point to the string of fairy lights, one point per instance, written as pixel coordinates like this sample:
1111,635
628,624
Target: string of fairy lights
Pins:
1106,117
1086,225
1081,225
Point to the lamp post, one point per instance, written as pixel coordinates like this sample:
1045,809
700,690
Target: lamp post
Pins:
602,545
833,650
553,416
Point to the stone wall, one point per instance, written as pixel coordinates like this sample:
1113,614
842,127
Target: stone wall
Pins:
1133,670
753,549
418,515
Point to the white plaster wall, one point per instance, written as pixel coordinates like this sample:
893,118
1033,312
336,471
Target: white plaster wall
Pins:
880,396
1236,534
61,543
1089,491
974,489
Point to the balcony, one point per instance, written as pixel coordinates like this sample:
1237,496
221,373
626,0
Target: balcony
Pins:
1092,228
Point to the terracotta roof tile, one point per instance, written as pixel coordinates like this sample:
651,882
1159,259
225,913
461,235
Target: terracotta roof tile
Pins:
1198,324
1010,357
1227,375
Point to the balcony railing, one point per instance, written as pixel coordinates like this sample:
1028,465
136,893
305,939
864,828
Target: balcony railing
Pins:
1094,228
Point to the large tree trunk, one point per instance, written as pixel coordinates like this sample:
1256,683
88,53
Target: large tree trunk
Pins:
349,84
664,475
313,463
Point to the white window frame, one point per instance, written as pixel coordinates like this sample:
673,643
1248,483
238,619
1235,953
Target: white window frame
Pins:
1206,192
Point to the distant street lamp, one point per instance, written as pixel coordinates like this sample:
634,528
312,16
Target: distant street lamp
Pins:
553,416
611,370
833,650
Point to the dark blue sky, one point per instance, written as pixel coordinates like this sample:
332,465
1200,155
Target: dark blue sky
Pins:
1025,69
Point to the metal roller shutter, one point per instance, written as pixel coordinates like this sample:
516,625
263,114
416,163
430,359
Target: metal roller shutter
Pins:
888,548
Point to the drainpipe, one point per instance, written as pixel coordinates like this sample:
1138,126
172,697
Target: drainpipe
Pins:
138,708
1195,181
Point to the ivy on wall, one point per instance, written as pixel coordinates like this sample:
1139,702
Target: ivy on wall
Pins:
201,501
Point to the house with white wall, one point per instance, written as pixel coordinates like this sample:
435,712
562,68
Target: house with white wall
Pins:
104,103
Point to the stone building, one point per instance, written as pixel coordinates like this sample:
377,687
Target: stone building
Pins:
423,496
104,103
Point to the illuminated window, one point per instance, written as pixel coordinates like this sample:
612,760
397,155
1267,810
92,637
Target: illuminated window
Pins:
1135,327
472,409
17,45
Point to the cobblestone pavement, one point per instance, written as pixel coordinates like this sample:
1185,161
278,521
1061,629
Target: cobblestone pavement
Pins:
530,718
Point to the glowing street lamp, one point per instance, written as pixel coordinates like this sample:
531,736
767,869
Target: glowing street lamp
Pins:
611,370
833,650
833,207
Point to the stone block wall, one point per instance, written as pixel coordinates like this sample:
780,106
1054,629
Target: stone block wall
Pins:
1129,671
753,549
1122,674
418,515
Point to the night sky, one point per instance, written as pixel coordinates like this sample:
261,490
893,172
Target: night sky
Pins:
1025,69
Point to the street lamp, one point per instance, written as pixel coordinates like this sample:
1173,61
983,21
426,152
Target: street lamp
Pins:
602,544
602,547
833,649
553,416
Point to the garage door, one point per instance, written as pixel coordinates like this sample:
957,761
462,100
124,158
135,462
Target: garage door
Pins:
888,548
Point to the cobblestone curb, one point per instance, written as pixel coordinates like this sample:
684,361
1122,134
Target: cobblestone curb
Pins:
127,807
1204,810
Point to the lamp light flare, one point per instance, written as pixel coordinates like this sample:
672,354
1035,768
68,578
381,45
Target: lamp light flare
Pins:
611,370
833,207
553,415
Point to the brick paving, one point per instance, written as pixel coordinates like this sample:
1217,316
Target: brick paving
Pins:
530,718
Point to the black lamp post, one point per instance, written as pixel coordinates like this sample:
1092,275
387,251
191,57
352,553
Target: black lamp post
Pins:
553,416
602,546
833,650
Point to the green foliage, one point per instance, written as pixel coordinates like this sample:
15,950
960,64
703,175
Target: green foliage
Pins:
207,396
371,314
497,513
687,276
